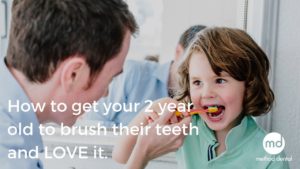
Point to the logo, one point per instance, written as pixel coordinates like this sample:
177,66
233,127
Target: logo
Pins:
273,143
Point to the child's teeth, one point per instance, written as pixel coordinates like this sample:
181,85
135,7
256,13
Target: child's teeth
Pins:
215,115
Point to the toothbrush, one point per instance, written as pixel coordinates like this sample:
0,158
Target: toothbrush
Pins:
213,109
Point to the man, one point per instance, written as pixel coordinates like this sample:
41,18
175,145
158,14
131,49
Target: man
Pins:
140,84
60,51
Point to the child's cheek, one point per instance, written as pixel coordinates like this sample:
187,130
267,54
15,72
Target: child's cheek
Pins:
195,100
233,103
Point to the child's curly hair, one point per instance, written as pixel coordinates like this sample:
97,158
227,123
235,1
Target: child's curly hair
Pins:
235,52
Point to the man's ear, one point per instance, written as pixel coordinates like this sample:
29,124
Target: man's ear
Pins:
75,74
178,52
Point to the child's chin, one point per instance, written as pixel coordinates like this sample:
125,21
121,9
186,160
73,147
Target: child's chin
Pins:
216,127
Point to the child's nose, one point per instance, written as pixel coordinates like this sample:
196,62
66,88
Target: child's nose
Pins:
208,92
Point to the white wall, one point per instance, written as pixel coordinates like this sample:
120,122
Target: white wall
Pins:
286,113
178,15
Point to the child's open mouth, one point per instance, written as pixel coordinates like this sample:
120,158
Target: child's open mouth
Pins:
215,116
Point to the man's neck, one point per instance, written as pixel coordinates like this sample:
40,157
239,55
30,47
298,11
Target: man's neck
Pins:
36,93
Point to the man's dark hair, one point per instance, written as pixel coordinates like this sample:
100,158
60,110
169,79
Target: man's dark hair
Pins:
188,35
46,32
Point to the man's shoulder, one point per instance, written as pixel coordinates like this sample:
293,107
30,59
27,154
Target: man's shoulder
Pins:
135,70
13,143
5,117
6,120
139,65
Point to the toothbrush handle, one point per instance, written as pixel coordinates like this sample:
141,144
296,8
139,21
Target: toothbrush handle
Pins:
192,112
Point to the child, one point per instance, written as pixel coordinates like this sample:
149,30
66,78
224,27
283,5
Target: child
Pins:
225,68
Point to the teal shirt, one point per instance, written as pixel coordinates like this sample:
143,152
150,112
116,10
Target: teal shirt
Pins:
243,147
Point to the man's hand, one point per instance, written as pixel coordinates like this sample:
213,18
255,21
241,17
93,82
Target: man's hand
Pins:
152,145
156,110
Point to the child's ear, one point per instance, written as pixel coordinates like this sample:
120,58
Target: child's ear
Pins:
74,75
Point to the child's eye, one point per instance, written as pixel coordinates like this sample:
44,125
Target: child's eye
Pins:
220,81
196,82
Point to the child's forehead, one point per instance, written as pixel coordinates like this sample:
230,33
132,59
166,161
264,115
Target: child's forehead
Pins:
199,60
199,64
224,74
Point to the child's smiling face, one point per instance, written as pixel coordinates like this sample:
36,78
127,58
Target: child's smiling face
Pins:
209,89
